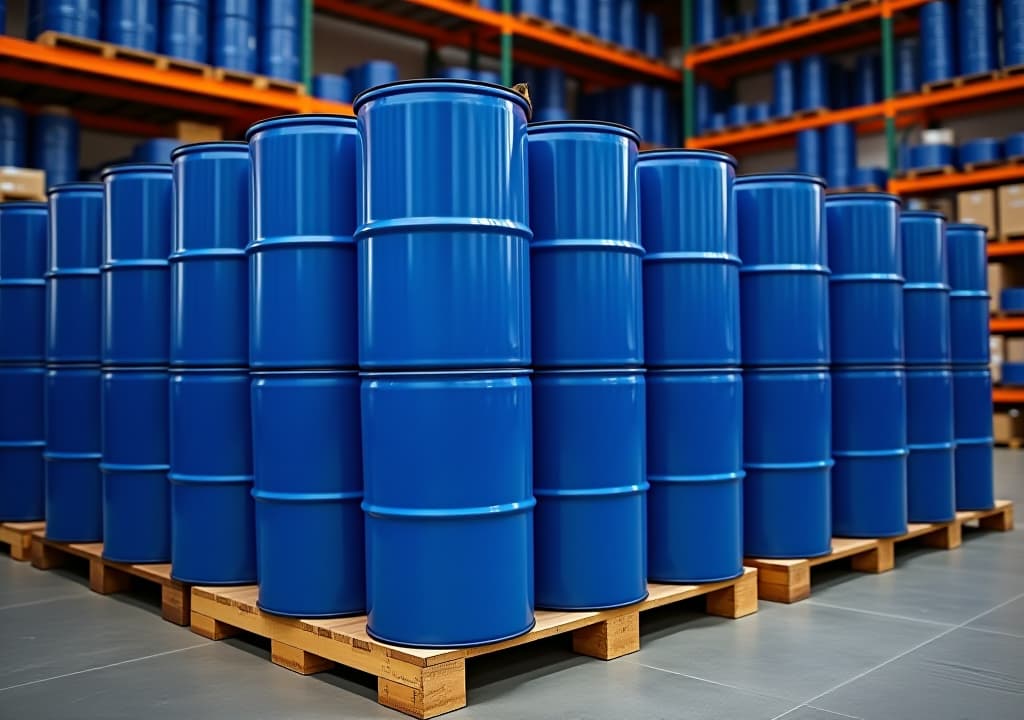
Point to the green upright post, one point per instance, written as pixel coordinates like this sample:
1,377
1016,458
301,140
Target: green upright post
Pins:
888,89
688,80
307,45
506,47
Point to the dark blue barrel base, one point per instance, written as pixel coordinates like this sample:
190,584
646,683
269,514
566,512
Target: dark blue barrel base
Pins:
20,465
74,499
869,496
781,515
127,495
931,487
213,536
974,472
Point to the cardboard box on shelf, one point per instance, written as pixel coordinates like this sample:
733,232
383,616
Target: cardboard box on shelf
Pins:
1008,426
1002,275
978,206
193,132
996,354
22,184
1013,350
1011,210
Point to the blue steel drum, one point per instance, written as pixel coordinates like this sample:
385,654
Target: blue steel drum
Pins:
976,36
488,76
657,115
695,470
73,17
932,155
972,419
608,19
968,299
717,121
328,86
585,268
981,150
448,470
457,73
22,439
868,176
135,298
537,8
931,489
688,220
213,538
281,14
784,89
809,154
787,454
209,273
769,13
549,88
183,27
798,8
550,115
1013,32
826,4
131,23
636,106
746,22
157,150
54,148
74,485
840,154
704,104
281,53
444,276
371,74
652,36
13,134
737,114
867,79
813,84
302,306
584,16
869,445
242,8
559,11
1013,373
840,86
73,275
784,279
938,53
760,112
629,24
866,288
590,481
732,24
1011,300
136,494
906,78
234,43
707,20
22,285
926,316
308,474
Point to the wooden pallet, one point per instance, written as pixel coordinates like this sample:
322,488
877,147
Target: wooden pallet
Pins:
1012,443
959,81
915,173
425,683
790,580
259,82
120,52
854,189
106,576
19,536
1012,70
985,165
551,26
1009,237
813,112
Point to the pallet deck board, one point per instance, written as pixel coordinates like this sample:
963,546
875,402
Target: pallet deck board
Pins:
19,535
113,51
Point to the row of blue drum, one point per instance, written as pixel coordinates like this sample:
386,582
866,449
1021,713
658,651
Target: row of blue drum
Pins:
710,22
978,151
48,141
617,21
961,38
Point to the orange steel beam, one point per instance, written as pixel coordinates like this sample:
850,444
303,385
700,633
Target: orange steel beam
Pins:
902,5
956,181
788,127
949,96
317,105
1006,249
1006,324
1008,395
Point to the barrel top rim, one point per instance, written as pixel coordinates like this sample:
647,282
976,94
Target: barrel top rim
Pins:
922,214
966,226
839,197
24,205
78,185
400,86
294,119
225,145
769,176
669,153
141,167
601,125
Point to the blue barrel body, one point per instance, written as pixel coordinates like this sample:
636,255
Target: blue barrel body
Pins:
1011,300
630,31
695,470
74,486
976,36
1013,32
760,112
608,20
746,22
769,13
280,51
867,176
209,273
448,469
13,134
926,318
22,286
585,268
488,76
449,281
213,539
866,287
328,86
537,8
590,481
867,79
972,419
54,147
73,17
234,43
737,114
183,28
371,74
798,8
281,14
704,102
813,82
302,306
131,23
652,36
787,455
931,488
157,150
968,297
869,445
906,78
707,20
22,439
308,474
938,53
691,258
636,106
136,494
584,16
731,24
784,89
73,274
981,150
658,118
932,155
717,121
826,4
1013,373
135,283
549,90
809,153
840,154
785,275
840,86
457,73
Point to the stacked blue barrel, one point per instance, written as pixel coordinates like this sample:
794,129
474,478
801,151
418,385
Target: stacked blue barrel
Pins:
233,41
74,485
54,146
444,345
135,306
588,385
307,467
869,412
784,318
281,39
22,313
132,23
972,380
183,29
13,134
694,382
73,17
931,493
212,535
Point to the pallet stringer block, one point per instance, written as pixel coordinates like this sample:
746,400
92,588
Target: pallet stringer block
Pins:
440,689
610,638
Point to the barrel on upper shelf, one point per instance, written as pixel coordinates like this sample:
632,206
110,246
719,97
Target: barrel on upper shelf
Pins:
280,43
938,52
13,134
926,320
72,17
234,36
329,86
54,146
183,29
371,74
23,240
132,23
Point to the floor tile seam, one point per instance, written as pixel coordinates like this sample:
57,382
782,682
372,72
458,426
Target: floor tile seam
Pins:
43,601
737,688
877,613
989,631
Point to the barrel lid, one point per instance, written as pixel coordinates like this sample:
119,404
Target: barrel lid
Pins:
583,125
685,153
224,145
300,119
838,197
911,214
405,86
23,205
790,176
975,227
130,167
75,187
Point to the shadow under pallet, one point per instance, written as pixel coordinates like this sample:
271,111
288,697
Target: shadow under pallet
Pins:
425,683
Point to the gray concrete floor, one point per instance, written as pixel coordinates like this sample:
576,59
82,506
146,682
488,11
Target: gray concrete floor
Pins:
940,637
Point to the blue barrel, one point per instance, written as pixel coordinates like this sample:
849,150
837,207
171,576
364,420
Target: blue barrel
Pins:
636,108
22,287
280,51
813,82
784,102
798,8
867,79
1014,145
938,59
72,17
866,287
136,494
302,260
760,112
932,155
657,115
1013,373
926,318
73,275
371,74
457,73
732,24
809,154
183,27
213,539
550,89
134,274
22,439
1011,300
209,273
653,46
447,469
737,114
869,176
840,86
450,272
785,275
826,4
1013,32
840,154
608,20
630,31
976,36
590,481
869,445
746,22
981,150
234,43
691,258
560,11
308,474
131,23
968,299
585,267
704,105
328,86
488,76
281,14
55,145
906,72
972,418
707,20
931,494
13,134
717,121
537,8
787,454
157,150
74,486
584,16
769,13
695,470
